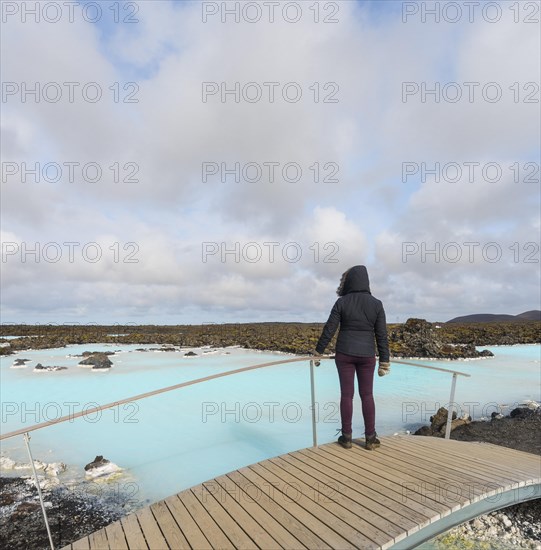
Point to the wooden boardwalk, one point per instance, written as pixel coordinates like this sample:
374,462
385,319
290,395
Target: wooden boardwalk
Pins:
408,490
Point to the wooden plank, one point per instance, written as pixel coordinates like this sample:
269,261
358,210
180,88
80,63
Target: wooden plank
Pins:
412,487
407,518
249,525
305,509
168,526
377,488
281,535
501,461
191,531
375,526
504,456
492,447
81,544
376,482
151,530
445,476
98,540
115,536
204,520
477,463
435,458
279,522
281,511
229,526
343,521
132,531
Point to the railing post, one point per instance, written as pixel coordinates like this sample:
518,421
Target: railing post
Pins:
449,411
27,441
313,396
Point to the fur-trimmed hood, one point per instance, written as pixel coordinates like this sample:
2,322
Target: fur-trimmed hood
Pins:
354,279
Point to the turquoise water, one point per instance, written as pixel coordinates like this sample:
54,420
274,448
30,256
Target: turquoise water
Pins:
175,440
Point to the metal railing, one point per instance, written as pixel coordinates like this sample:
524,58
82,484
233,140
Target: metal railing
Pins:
314,361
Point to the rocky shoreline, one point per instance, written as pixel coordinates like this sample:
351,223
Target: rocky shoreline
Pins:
414,338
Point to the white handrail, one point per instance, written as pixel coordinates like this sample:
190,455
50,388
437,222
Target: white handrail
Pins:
312,358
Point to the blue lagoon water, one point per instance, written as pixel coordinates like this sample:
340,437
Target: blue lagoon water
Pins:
172,441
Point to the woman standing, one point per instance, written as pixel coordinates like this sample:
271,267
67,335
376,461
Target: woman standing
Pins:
362,325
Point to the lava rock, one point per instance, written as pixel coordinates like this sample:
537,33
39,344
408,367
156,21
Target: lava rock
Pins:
521,412
438,423
101,467
41,368
98,361
419,338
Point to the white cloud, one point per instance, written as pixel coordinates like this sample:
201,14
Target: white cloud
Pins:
170,213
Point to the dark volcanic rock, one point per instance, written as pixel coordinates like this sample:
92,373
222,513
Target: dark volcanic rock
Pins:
419,338
40,367
424,430
98,361
20,362
521,412
97,463
438,423
190,354
440,418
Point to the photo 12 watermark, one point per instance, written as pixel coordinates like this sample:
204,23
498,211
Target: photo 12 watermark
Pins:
269,412
253,252
269,92
471,252
123,493
69,92
69,251
470,92
414,412
472,172
252,12
470,12
45,12
269,172
50,411
451,493
267,489
69,172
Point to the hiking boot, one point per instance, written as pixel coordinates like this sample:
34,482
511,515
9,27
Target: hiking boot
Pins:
345,440
372,442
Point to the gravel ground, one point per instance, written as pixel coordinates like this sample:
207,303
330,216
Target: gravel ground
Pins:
72,513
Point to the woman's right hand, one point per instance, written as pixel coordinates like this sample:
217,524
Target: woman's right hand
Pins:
384,369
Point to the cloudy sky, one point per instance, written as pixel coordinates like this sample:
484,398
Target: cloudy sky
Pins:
190,162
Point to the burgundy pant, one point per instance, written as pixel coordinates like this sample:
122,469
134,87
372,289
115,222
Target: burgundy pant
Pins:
348,366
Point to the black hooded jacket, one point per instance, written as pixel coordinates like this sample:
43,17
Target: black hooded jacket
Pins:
361,318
